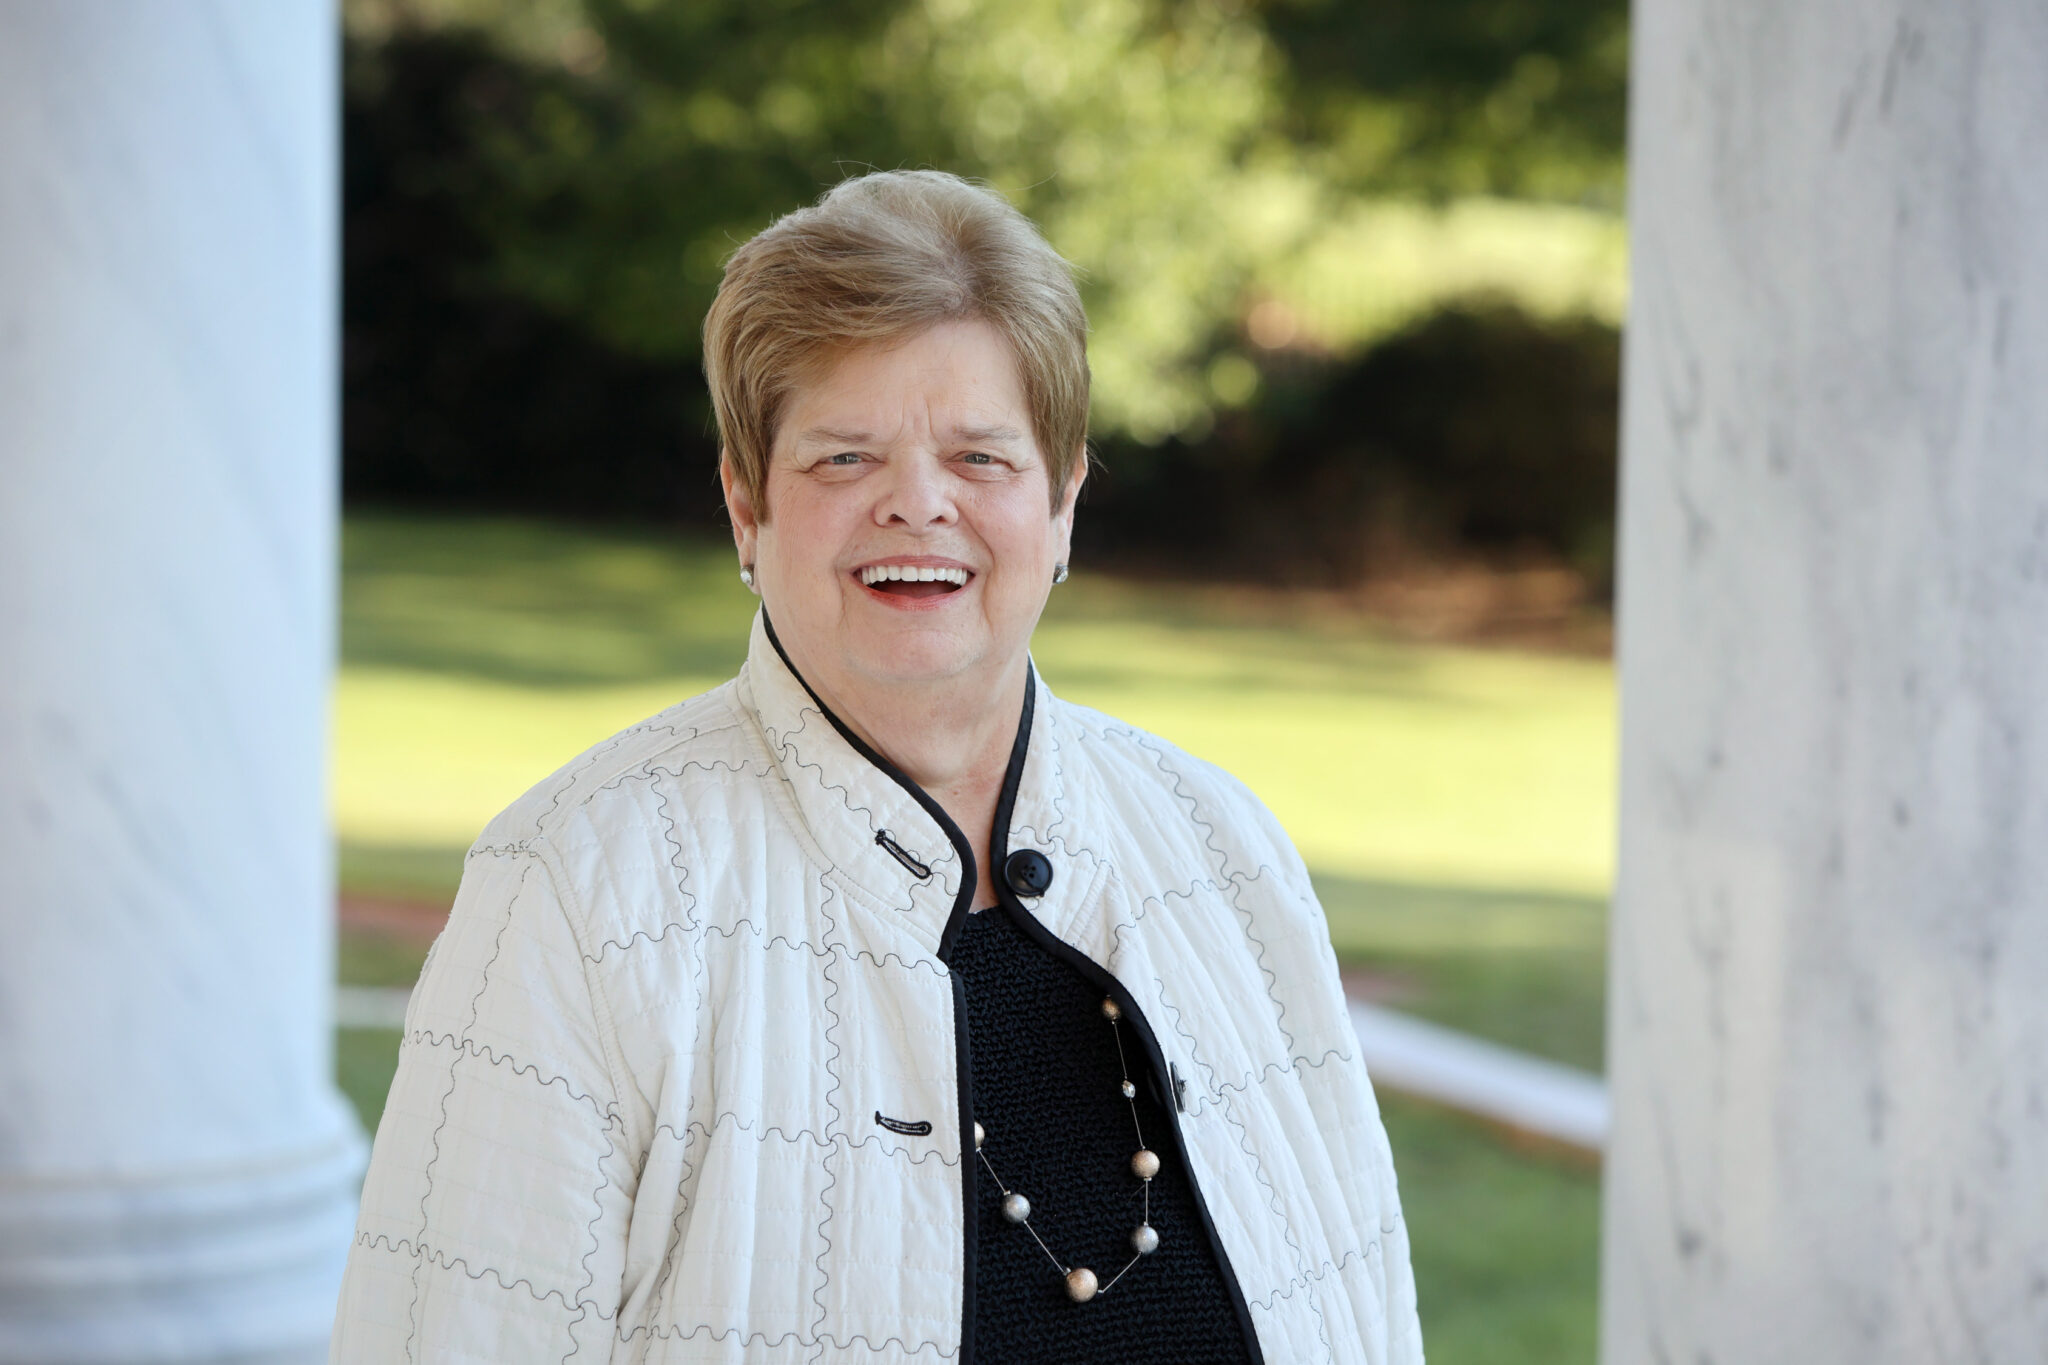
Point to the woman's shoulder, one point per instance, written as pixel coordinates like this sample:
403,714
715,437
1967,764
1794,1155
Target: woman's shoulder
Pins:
705,730
1171,822
1130,766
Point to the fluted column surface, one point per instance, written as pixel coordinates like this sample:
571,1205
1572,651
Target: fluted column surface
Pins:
176,1167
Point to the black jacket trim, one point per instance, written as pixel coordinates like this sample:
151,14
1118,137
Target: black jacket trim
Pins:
1163,1077
970,870
1110,986
970,1204
1165,1080
963,902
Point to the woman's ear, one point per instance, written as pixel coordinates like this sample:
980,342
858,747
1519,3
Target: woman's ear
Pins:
1063,515
1077,476
739,507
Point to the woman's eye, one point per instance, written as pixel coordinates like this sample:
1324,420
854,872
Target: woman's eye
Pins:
977,457
843,457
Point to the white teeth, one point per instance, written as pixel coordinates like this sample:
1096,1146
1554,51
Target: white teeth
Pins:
912,573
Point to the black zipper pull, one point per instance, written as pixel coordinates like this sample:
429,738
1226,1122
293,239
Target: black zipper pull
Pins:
1180,1088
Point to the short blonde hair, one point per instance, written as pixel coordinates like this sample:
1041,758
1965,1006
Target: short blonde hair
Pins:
880,258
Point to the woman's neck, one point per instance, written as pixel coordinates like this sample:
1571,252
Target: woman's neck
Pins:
953,739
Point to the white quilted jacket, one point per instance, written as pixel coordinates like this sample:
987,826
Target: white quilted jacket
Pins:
637,1112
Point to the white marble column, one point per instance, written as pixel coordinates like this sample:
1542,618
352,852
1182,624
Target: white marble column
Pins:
1829,1034
176,1168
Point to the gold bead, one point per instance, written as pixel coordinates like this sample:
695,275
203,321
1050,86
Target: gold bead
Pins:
1145,1164
1080,1284
1110,1010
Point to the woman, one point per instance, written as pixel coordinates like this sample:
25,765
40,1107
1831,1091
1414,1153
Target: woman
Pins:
879,1005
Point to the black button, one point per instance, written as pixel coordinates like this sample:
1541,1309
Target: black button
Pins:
1027,872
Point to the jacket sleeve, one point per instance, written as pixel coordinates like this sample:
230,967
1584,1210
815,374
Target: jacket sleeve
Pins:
495,1210
1352,1123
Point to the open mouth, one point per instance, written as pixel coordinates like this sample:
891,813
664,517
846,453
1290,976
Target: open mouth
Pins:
914,581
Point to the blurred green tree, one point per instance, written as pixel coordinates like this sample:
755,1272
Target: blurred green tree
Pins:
1140,135
1183,153
1522,98
1261,195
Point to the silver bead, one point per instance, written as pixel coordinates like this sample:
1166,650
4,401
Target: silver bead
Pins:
1145,1164
1110,1011
1059,574
1080,1284
1016,1207
1144,1239
1130,1091
979,1134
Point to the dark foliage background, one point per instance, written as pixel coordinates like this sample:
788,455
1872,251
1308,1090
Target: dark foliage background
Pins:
1479,430
457,392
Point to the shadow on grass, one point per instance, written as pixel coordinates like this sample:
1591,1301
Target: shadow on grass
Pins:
365,1059
1505,1242
537,603
558,605
427,873
1526,969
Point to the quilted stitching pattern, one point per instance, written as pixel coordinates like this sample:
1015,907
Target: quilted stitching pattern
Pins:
633,1118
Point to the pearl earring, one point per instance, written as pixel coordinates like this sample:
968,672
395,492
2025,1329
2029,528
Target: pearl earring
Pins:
1059,574
747,575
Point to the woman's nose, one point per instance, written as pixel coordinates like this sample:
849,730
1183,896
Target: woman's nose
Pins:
915,496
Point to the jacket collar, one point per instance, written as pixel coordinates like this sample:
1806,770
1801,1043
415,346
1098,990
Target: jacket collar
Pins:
888,841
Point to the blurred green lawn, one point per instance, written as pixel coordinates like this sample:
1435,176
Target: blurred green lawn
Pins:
1454,806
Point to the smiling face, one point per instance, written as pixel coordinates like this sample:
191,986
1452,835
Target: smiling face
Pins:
911,535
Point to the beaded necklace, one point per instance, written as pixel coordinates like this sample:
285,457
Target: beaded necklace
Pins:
1081,1282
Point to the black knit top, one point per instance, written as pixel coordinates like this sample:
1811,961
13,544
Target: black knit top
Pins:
1058,1130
